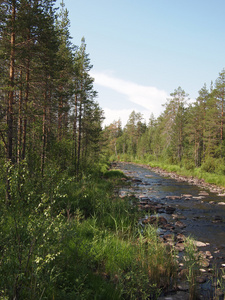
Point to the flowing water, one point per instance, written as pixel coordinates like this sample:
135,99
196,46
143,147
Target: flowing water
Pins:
205,217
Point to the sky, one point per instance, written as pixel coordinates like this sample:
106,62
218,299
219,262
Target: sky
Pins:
142,50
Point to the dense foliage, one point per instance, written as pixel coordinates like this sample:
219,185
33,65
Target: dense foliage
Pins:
190,135
48,108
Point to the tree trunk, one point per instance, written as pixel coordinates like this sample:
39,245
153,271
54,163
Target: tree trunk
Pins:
19,125
75,132
79,137
26,100
11,85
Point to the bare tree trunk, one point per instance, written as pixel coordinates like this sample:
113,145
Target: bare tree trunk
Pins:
60,107
19,125
79,138
9,153
26,100
11,85
75,132
43,141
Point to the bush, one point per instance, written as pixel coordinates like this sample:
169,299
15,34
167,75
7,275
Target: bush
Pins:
214,165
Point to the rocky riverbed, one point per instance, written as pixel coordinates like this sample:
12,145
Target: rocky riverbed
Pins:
180,207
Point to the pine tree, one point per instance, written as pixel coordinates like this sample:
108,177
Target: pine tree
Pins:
173,122
219,94
84,102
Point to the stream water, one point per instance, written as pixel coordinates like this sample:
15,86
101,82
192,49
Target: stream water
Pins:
204,214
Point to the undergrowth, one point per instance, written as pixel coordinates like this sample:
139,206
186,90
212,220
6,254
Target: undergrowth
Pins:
77,240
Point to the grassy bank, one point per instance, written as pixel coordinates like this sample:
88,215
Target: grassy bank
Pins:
209,177
63,239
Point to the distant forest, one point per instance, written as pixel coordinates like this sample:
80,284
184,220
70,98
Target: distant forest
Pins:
186,134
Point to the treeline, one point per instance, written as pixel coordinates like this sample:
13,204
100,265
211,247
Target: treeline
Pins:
191,135
50,144
49,114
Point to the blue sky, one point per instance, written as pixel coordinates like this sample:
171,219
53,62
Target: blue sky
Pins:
142,50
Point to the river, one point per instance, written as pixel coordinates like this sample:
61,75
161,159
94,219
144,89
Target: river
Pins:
203,211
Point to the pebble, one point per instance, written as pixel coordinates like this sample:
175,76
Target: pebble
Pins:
202,270
203,193
179,247
180,224
200,244
186,195
204,263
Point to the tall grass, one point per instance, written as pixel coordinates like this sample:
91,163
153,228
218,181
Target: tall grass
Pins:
78,240
109,250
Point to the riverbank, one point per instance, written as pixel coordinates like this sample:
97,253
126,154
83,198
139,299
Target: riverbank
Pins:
175,214
215,183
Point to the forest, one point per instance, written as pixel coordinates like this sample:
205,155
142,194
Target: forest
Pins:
187,135
65,233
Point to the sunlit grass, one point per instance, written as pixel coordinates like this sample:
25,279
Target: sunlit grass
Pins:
211,178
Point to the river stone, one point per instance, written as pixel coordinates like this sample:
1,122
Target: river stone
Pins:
168,237
180,224
205,254
199,197
180,247
136,180
183,286
208,253
186,195
202,270
204,263
169,226
178,217
217,219
200,244
221,203
154,220
170,210
178,296
143,198
180,237
173,197
203,193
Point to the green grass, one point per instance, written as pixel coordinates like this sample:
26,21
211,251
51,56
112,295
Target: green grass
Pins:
108,257
114,174
79,240
208,177
137,265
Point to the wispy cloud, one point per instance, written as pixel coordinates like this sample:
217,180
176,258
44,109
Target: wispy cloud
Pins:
150,98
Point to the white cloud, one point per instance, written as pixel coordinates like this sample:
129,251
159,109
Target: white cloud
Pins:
150,98
147,97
